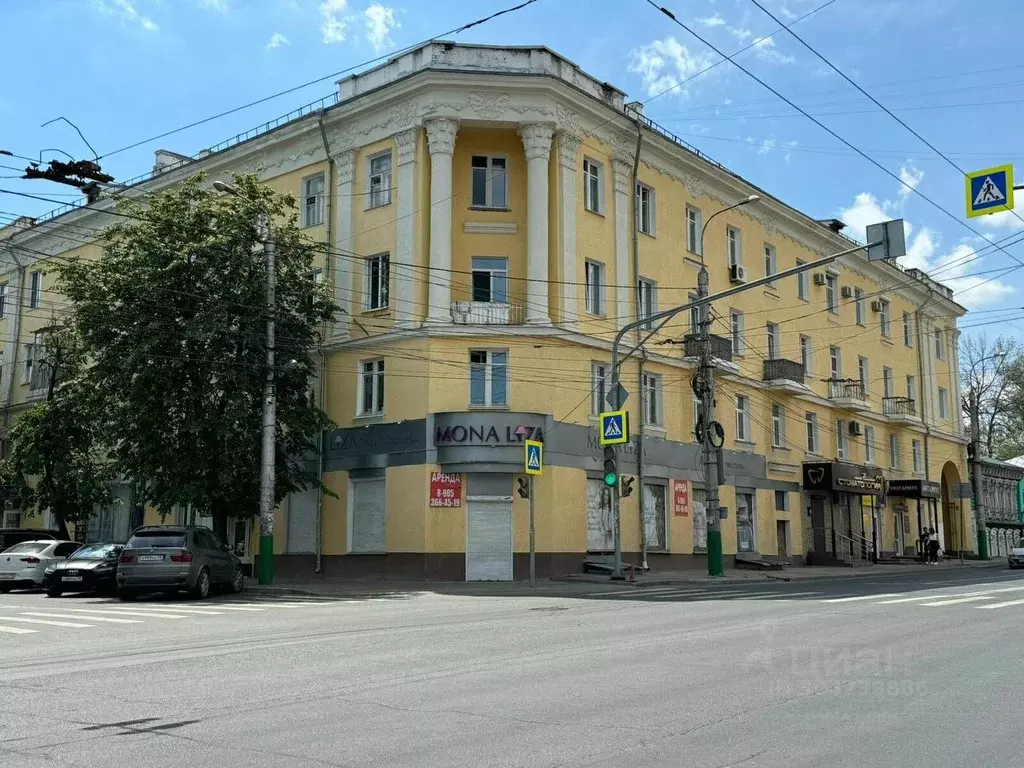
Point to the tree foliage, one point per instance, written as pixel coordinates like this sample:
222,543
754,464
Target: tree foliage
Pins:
173,318
992,371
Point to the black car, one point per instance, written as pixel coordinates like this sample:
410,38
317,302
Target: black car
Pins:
93,568
11,536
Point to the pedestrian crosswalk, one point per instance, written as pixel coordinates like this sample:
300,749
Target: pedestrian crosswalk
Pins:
696,593
986,598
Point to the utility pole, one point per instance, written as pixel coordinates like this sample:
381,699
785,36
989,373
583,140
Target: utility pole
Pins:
716,560
975,462
533,538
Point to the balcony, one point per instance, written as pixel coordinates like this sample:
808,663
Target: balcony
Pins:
486,313
902,410
721,347
847,393
784,375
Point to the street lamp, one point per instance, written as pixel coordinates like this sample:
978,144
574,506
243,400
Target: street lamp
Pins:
268,446
749,199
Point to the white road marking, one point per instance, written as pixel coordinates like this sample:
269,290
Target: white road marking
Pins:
17,630
73,616
859,597
222,607
45,621
787,594
919,598
647,591
160,609
957,600
1006,604
145,615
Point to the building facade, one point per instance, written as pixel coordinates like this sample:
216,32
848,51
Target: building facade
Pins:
487,236
1000,496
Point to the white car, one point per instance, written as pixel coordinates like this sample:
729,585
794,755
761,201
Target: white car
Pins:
1016,557
22,566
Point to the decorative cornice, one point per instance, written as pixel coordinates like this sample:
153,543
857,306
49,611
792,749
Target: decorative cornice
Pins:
405,141
441,135
537,140
568,149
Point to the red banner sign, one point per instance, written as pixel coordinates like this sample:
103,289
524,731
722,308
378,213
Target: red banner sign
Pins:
445,489
681,498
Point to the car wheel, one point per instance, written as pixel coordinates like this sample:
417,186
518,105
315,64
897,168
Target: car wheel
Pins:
54,592
201,589
126,595
4,589
238,581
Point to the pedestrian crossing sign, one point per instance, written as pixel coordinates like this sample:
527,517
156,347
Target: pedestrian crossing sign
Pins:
614,428
534,457
990,191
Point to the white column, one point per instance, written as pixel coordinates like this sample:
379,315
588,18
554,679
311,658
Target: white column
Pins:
537,143
441,139
623,173
956,411
346,298
568,149
405,315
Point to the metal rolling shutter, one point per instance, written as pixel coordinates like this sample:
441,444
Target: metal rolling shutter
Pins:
301,533
489,540
367,516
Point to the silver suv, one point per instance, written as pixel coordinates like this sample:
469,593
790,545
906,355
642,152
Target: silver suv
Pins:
170,558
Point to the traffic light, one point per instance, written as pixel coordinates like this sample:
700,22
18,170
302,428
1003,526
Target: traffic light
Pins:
626,487
611,470
524,487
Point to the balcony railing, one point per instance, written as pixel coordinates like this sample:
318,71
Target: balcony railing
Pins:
899,406
779,369
721,347
845,389
486,313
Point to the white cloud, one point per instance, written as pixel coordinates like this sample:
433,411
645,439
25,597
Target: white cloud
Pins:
1002,220
712,21
766,51
276,41
219,6
866,209
380,20
333,23
665,64
766,146
911,178
127,12
790,145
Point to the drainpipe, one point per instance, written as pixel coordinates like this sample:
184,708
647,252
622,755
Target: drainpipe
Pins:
328,220
921,380
640,359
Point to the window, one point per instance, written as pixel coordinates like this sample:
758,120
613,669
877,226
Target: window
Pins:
778,426
313,200
35,293
943,401
593,186
36,372
862,372
694,314
884,317
652,400
831,297
841,439
773,340
805,354
911,387
739,343
743,418
379,183
694,223
317,276
490,280
858,305
811,420
908,334
734,244
647,293
644,209
598,387
887,382
940,345
801,282
869,445
490,182
770,267
371,390
781,501
894,451
3,301
488,375
835,363
915,450
594,275
376,279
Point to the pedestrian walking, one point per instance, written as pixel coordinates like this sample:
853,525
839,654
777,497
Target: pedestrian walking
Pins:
933,547
922,544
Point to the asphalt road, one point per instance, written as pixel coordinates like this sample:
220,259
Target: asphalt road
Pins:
921,669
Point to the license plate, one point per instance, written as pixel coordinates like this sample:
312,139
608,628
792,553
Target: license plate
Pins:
150,558
71,578
7,576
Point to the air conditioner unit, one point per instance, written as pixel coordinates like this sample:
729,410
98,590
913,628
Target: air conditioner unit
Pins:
876,306
738,273
846,292
819,278
855,429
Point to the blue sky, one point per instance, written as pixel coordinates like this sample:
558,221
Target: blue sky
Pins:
124,70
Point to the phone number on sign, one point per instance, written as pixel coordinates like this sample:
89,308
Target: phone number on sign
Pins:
449,502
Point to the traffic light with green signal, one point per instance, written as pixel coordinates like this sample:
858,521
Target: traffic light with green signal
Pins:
611,470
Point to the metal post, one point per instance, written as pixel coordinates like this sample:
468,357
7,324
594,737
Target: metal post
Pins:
716,560
533,537
269,450
979,510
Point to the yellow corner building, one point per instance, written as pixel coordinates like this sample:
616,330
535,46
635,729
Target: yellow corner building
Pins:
487,239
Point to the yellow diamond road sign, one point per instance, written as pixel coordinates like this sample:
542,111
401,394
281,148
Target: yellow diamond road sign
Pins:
990,191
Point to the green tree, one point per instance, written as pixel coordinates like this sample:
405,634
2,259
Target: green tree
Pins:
173,318
55,462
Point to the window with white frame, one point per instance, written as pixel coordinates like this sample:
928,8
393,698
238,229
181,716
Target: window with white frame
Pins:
772,332
743,418
887,390
811,423
862,373
801,283
943,403
35,291
908,335
313,200
594,277
858,305
490,182
488,378
832,293
940,345
915,451
694,222
371,387
36,372
652,400
778,426
835,363
490,279
805,354
894,451
883,320
770,264
598,387
734,246
593,185
645,210
736,325
694,315
376,281
379,181
912,388
869,445
647,294
3,300
841,439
